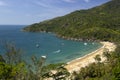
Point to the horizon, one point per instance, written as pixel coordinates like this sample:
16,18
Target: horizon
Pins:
30,11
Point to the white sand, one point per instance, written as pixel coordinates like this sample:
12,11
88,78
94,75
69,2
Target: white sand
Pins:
77,64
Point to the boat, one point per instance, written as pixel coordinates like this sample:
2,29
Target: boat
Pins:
85,43
37,45
44,57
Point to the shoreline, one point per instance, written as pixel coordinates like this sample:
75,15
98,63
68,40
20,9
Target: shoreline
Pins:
77,64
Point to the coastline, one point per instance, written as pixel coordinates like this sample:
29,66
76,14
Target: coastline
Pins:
77,64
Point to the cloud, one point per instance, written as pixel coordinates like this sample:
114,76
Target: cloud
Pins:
69,1
2,3
42,4
87,1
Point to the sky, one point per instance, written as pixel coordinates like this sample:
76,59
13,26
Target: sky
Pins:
25,12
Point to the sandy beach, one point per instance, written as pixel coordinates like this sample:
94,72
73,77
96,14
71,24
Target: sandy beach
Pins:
77,64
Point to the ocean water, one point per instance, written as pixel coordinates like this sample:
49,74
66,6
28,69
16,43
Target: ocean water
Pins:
44,44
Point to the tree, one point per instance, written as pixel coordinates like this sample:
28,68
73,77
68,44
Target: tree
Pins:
56,72
61,73
13,55
1,59
11,65
97,58
107,55
35,69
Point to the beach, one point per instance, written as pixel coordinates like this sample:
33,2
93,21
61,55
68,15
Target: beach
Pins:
77,64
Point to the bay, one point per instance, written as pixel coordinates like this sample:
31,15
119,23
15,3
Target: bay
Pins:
45,44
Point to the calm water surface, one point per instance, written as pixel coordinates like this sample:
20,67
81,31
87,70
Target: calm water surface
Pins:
40,44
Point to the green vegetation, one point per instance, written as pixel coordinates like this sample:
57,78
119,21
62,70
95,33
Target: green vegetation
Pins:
109,70
13,67
99,23
56,71
12,70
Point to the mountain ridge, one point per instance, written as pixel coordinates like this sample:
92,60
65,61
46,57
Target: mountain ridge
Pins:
85,24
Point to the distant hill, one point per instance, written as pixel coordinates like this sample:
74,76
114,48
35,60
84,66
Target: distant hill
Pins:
98,23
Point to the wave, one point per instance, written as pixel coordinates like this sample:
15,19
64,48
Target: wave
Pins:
58,51
85,43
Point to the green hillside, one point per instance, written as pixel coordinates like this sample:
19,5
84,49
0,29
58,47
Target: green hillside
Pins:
98,23
101,22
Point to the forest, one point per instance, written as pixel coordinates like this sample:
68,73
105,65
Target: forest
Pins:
100,23
85,24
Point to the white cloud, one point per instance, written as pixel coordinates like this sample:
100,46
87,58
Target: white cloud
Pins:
69,1
2,3
42,4
87,1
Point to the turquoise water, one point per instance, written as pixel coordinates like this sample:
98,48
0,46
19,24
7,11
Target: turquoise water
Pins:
40,44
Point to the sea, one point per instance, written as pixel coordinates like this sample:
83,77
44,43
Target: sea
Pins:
41,44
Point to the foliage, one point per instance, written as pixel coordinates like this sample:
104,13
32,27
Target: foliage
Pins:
53,66
12,54
5,71
11,65
35,70
98,23
56,71
109,70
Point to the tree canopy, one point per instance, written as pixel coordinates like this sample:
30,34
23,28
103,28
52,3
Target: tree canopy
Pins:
98,23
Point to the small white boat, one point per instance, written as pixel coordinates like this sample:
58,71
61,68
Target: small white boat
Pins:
44,57
85,43
37,45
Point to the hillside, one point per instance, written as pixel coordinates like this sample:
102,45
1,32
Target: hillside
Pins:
98,23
